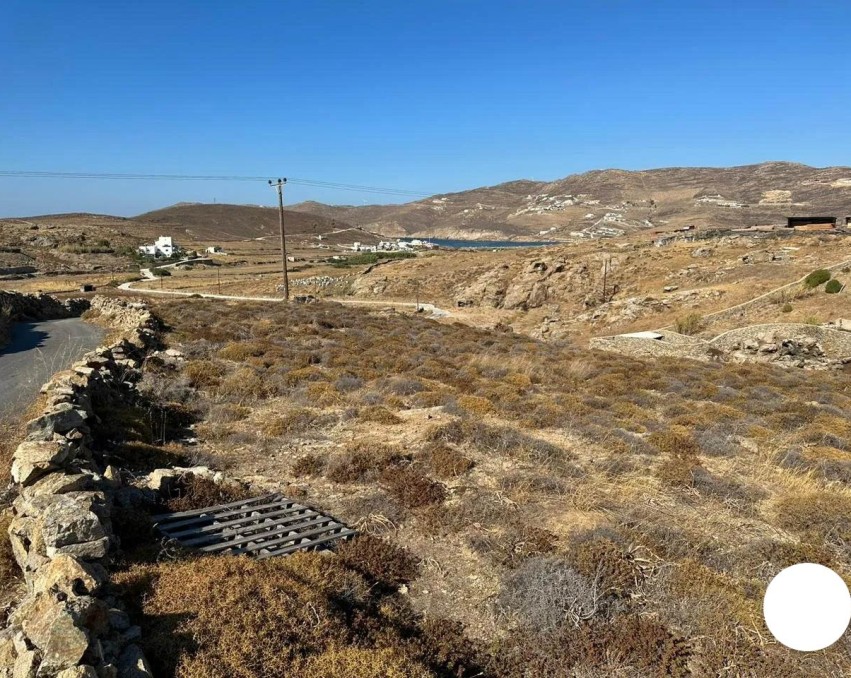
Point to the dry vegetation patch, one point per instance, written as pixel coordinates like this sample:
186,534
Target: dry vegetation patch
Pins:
651,501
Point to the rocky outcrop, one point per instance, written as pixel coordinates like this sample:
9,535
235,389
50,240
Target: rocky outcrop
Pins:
61,531
631,309
539,281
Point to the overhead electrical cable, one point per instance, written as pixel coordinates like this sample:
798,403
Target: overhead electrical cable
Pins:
34,174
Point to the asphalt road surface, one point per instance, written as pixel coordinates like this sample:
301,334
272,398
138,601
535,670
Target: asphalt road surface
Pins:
37,350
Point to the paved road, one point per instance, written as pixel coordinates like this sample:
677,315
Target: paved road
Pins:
37,350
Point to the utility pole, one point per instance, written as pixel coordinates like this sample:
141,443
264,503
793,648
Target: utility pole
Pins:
219,280
279,185
605,276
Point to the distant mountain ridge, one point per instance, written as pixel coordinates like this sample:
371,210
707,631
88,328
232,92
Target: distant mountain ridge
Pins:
608,202
201,221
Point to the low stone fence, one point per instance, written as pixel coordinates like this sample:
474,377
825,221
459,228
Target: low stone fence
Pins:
836,344
120,313
68,625
782,344
40,306
671,345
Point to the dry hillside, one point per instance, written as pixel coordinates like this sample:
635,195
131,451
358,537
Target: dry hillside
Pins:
579,290
66,243
535,509
214,223
599,201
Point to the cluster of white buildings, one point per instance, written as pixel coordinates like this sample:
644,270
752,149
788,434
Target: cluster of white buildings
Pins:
163,246
391,246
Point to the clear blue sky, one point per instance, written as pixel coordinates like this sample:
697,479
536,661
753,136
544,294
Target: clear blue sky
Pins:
426,96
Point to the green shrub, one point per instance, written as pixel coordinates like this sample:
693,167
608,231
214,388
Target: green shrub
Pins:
369,258
833,286
787,308
816,278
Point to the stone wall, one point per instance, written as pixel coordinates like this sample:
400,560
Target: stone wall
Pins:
120,313
17,270
835,343
68,625
672,345
738,311
782,344
40,306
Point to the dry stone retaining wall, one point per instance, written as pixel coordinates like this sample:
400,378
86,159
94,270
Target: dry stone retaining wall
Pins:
783,344
670,346
68,625
835,343
40,306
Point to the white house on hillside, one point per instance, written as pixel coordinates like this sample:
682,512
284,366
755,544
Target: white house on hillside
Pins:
163,247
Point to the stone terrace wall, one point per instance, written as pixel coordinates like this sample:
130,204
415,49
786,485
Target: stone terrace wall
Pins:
61,533
784,344
672,345
835,343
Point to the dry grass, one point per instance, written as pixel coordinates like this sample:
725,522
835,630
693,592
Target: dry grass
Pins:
191,492
411,487
447,462
362,461
637,476
308,465
9,570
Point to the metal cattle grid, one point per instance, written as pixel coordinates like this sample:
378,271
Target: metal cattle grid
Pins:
266,526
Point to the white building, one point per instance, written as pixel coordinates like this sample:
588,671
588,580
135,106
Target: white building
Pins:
163,247
214,249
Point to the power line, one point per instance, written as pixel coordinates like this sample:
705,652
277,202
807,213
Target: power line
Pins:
34,174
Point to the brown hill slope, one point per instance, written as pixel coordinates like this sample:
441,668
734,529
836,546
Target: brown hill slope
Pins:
205,222
605,202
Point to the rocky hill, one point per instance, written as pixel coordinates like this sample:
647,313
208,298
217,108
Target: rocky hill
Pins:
611,202
67,243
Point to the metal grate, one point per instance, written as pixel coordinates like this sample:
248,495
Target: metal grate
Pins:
265,526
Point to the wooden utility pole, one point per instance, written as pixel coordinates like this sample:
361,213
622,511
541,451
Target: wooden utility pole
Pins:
280,186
